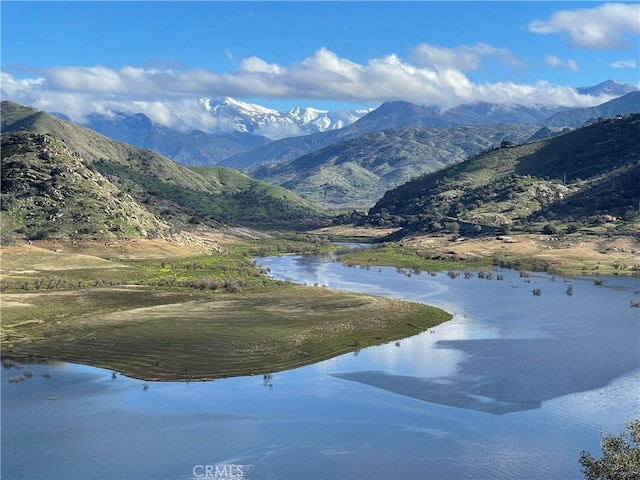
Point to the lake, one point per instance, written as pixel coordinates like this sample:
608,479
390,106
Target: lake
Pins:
514,386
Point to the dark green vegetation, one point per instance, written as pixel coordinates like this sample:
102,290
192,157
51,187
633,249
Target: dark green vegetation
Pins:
620,456
358,172
257,203
175,195
184,318
588,177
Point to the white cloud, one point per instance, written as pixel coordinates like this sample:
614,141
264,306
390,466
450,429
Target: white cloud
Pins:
465,58
628,63
554,61
16,87
607,26
88,79
258,65
169,96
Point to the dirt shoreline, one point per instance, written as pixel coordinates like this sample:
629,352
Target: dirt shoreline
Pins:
569,254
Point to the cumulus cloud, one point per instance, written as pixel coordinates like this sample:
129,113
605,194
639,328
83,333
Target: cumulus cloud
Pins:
258,65
169,96
554,61
604,27
14,88
628,63
464,58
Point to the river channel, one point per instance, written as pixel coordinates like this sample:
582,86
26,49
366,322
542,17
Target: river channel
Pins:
514,386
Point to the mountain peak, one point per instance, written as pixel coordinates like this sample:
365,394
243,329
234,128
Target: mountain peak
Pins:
251,118
229,103
610,87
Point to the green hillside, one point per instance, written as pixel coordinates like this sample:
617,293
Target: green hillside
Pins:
582,177
258,202
50,191
180,196
357,172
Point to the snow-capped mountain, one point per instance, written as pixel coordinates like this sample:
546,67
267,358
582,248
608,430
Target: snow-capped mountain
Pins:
209,131
609,87
232,114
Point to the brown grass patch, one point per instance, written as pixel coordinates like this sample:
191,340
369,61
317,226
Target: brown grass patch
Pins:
159,335
569,254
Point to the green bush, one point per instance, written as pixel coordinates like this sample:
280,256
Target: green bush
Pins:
620,456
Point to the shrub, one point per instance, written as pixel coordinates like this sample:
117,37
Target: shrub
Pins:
620,456
574,227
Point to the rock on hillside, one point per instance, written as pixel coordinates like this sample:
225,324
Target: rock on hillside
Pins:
50,191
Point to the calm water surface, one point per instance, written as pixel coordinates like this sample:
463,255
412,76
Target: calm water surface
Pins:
515,386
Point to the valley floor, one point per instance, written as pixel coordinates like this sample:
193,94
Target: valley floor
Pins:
197,308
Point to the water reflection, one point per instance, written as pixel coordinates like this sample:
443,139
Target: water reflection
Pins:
506,349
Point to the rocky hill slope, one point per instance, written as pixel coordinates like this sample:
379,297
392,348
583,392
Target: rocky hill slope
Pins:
591,174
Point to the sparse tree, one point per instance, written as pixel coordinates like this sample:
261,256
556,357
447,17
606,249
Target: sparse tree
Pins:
452,227
620,456
574,227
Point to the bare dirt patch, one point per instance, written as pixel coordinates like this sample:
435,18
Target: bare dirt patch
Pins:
32,258
573,254
180,245
9,304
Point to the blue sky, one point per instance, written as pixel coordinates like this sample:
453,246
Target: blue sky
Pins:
160,57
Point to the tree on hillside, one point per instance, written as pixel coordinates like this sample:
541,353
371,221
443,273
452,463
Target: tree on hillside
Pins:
620,456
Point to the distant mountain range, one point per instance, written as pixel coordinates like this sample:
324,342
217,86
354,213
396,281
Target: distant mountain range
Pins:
61,179
352,167
608,87
389,116
243,127
240,127
629,103
395,115
191,148
357,172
